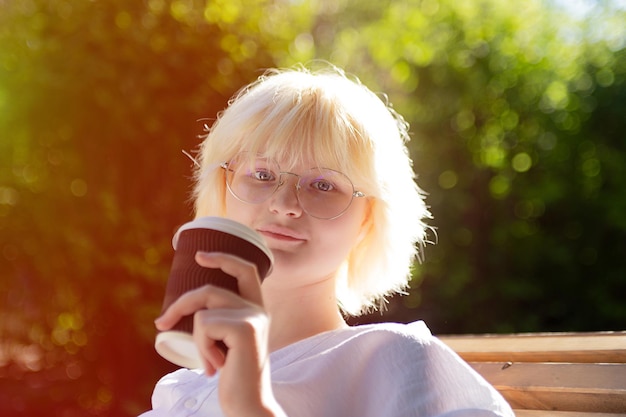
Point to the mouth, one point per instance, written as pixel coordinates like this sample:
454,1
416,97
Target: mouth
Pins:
281,233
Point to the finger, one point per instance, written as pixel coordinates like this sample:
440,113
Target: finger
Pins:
212,353
244,271
205,297
209,369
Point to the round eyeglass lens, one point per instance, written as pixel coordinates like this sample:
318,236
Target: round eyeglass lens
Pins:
325,193
252,180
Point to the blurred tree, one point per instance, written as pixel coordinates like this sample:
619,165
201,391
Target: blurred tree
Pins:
524,182
517,112
98,100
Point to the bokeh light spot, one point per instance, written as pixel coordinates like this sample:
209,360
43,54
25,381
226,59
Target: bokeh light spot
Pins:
605,77
448,179
123,20
591,167
9,196
78,187
522,162
499,186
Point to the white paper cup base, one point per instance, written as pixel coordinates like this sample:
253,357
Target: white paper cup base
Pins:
178,348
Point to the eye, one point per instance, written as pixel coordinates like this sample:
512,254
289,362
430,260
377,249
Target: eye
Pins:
323,185
264,175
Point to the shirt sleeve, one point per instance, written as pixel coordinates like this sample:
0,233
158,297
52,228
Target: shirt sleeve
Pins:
185,393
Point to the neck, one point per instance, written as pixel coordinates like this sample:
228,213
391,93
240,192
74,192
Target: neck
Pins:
299,313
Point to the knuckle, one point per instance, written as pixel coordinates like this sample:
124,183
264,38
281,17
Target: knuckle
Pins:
254,323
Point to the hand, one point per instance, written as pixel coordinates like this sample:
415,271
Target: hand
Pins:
241,323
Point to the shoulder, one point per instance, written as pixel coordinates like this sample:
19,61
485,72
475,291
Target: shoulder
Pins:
410,360
410,350
381,344
412,343
386,348
394,352
402,341
416,332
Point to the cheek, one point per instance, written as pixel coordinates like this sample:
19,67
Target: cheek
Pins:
344,233
237,210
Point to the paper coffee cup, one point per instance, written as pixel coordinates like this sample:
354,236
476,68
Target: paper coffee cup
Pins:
210,234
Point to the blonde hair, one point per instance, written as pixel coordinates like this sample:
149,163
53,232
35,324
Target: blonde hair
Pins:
296,114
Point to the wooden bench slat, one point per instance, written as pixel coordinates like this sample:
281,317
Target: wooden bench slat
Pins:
559,386
584,402
552,374
543,413
602,347
607,377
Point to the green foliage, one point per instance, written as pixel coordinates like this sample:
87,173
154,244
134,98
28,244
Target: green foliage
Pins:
99,99
523,183
517,116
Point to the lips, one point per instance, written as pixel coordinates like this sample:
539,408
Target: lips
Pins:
281,233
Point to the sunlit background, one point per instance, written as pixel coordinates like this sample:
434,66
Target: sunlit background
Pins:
518,116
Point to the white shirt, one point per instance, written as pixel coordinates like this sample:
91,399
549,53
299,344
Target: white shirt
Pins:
377,370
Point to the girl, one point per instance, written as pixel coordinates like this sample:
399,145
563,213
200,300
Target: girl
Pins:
317,164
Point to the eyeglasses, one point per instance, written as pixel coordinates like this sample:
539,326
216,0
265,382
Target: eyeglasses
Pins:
322,193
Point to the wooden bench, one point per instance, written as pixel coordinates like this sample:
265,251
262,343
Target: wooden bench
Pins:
552,374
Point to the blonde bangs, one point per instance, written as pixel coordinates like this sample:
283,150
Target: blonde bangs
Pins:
297,127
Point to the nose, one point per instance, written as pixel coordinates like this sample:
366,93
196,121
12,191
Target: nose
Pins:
285,199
